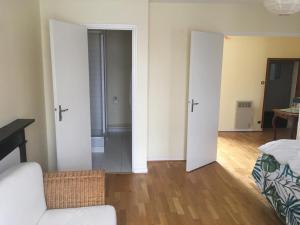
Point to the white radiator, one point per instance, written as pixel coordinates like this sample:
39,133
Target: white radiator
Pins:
244,115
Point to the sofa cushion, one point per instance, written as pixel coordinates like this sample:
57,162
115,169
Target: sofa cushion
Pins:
22,195
94,215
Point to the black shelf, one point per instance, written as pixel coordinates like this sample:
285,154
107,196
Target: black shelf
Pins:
12,136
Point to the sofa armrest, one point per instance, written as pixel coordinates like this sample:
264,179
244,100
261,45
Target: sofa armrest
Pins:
74,189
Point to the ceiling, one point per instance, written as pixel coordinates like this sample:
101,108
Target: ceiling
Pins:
210,1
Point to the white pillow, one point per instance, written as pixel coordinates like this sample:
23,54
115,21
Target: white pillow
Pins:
295,164
283,150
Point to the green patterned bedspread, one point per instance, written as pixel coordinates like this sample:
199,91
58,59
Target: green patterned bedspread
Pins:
280,186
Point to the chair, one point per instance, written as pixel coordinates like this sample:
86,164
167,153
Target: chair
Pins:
58,198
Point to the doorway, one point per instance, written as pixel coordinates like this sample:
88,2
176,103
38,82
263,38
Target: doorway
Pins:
281,88
110,69
69,58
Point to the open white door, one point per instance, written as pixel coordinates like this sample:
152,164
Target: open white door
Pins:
70,69
204,98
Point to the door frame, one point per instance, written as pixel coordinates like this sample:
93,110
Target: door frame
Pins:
133,29
269,60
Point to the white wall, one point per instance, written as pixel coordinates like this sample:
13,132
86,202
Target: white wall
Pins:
244,67
118,72
134,12
21,85
169,39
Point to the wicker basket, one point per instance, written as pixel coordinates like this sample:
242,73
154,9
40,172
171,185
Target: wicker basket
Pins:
74,189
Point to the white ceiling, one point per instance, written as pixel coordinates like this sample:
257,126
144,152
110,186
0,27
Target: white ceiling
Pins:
210,1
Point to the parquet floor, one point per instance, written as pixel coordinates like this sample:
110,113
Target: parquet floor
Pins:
222,193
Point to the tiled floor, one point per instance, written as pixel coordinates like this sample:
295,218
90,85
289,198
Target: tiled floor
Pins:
117,154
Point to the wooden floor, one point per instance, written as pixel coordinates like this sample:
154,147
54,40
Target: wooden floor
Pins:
222,193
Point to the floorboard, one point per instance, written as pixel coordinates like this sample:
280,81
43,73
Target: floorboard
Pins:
222,193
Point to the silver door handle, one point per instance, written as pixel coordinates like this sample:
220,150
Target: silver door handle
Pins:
60,111
193,104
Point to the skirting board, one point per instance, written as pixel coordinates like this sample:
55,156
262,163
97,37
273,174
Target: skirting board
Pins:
166,158
240,130
140,170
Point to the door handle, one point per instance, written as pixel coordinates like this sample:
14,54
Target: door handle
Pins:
60,111
193,104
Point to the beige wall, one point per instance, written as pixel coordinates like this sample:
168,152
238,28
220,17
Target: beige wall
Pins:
21,85
134,12
118,72
169,35
244,67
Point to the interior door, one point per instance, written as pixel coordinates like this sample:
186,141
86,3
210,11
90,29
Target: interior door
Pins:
279,84
278,90
204,98
70,68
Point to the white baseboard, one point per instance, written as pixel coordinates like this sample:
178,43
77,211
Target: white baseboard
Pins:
166,158
140,170
239,130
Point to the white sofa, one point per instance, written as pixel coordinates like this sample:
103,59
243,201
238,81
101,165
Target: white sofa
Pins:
22,202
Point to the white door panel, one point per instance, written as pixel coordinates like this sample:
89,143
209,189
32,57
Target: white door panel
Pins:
204,90
69,55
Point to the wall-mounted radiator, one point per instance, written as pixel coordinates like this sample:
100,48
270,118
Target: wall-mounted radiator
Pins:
244,115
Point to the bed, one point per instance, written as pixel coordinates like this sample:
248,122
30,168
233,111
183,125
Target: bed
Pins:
281,187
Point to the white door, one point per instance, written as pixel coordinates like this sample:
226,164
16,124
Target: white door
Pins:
70,69
204,98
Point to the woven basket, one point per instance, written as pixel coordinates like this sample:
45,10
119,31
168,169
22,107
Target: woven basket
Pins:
74,189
